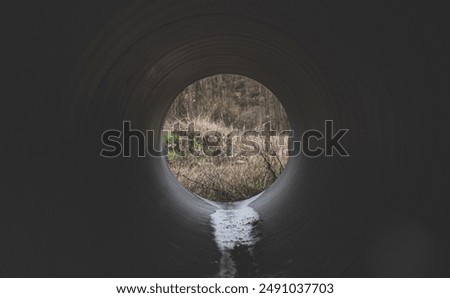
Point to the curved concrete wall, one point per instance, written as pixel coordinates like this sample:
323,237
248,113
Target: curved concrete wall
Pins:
83,69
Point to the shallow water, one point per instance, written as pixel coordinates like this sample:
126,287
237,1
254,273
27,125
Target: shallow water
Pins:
234,233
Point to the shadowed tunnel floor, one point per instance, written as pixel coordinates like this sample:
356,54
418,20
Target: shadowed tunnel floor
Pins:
75,69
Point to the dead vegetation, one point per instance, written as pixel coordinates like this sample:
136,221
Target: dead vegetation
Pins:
225,177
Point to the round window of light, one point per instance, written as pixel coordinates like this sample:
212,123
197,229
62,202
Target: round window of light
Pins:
226,137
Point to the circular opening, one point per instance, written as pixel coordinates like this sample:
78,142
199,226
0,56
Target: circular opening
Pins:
226,137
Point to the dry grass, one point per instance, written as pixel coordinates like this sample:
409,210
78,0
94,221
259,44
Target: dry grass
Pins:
225,178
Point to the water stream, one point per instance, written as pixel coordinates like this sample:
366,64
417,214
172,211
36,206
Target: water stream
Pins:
234,225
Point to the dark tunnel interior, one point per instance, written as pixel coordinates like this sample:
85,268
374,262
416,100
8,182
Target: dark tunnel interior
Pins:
375,68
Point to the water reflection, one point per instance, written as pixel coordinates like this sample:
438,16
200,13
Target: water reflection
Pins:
235,235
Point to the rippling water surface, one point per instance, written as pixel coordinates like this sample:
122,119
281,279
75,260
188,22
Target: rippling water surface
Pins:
234,226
